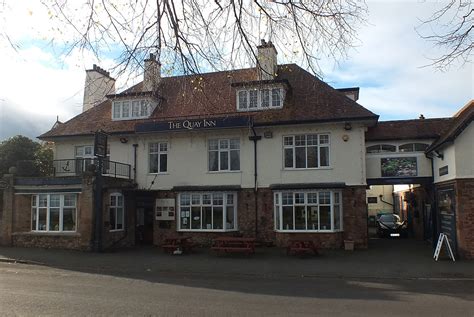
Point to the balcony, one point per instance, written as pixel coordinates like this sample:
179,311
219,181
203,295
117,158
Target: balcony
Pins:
77,166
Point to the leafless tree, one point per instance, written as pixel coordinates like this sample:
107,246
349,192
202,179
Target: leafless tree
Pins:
452,29
192,36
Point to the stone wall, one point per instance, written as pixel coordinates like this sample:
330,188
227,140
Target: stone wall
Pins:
465,217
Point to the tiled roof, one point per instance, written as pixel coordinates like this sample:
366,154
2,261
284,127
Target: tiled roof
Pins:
459,122
213,95
408,129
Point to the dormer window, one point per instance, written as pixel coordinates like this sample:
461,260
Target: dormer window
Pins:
260,98
131,109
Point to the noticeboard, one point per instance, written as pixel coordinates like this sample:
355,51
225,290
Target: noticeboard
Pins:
100,144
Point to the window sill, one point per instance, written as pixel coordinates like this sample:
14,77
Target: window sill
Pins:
221,172
259,109
307,169
160,173
49,233
308,231
116,230
207,230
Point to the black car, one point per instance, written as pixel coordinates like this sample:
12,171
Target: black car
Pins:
390,225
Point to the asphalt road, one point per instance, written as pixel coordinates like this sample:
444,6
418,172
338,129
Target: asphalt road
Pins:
39,290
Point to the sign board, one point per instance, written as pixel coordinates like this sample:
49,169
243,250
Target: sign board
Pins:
192,124
3,184
100,144
165,209
443,239
398,167
443,170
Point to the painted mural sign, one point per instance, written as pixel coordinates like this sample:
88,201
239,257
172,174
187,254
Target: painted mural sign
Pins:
399,167
192,124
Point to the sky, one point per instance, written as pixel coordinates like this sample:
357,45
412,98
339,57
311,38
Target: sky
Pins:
388,65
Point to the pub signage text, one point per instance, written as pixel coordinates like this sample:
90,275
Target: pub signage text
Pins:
192,124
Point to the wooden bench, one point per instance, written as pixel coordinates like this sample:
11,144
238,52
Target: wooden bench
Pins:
234,245
182,243
301,247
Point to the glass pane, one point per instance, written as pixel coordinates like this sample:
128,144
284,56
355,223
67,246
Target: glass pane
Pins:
324,155
230,217
33,200
117,106
324,217
230,199
373,149
163,162
276,97
196,199
163,147
312,198
300,140
54,219
253,98
421,147
154,147
337,217
277,217
388,148
234,144
324,139
135,109
120,200
312,139
289,158
33,219
153,163
185,216
196,217
218,217
223,144
213,145
287,217
287,198
69,219
300,156
144,109
243,99
43,200
336,198
313,218
213,161
312,156
224,161
88,150
288,140
206,199
207,218
235,160
265,96
55,201
300,218
69,200
125,109
299,198
406,147
119,218
184,199
42,218
324,198
113,220
218,199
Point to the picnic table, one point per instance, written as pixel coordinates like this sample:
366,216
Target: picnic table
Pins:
182,243
300,247
234,245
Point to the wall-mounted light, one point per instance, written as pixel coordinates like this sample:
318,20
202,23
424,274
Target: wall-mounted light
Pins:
123,140
439,155
345,138
268,134
347,126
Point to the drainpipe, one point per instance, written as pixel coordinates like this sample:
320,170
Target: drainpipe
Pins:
255,138
135,146
434,207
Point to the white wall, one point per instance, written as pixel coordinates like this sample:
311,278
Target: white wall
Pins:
449,159
188,157
373,160
375,191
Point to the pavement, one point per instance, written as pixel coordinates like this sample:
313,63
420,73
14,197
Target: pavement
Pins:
385,259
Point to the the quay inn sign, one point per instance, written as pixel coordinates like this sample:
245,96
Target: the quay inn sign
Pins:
192,124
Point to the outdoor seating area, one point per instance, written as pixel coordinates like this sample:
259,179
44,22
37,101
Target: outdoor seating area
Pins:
178,243
301,247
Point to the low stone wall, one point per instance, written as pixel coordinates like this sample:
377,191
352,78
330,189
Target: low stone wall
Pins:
465,217
70,241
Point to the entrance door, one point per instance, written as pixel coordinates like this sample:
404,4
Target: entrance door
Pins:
447,215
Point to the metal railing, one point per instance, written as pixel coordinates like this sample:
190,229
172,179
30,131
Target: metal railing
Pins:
77,166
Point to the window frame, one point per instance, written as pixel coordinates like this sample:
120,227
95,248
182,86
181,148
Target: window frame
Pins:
278,208
318,146
260,93
202,205
413,147
140,102
219,151
36,209
113,228
158,153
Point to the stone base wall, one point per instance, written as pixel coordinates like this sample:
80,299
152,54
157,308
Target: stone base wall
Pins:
55,241
465,217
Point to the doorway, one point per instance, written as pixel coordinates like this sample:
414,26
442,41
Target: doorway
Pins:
144,220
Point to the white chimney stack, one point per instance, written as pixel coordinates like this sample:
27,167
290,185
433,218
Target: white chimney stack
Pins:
98,85
267,61
152,75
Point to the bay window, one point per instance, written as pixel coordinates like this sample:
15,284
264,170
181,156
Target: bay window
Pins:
214,211
306,151
158,157
260,99
224,155
131,109
308,211
53,212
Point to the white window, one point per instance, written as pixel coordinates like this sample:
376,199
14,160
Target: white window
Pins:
381,148
158,157
84,157
53,212
306,151
413,147
207,211
131,109
259,99
224,155
116,212
309,211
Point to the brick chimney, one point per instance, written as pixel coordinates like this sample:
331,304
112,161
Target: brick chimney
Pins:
267,65
98,85
152,75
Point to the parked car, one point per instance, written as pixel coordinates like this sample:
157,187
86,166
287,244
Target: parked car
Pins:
390,225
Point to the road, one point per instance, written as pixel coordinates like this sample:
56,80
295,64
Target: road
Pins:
29,290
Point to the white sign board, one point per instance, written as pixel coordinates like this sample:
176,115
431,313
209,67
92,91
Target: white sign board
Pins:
443,238
165,209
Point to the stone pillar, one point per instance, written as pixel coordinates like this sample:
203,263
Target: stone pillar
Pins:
6,220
